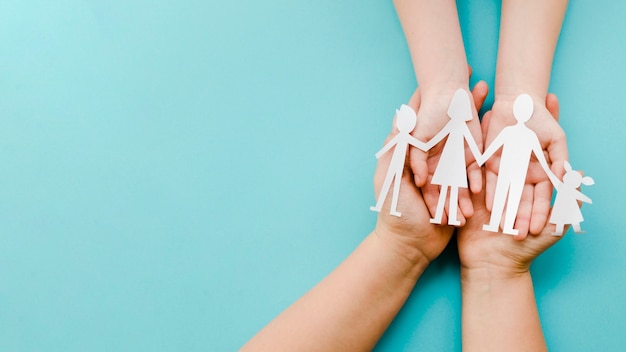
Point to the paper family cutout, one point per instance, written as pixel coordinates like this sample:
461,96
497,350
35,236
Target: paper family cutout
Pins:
518,143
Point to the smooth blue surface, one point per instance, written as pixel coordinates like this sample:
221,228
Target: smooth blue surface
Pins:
176,173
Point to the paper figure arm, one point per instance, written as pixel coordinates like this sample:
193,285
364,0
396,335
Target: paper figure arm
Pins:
472,145
493,147
582,197
438,137
544,164
417,143
387,146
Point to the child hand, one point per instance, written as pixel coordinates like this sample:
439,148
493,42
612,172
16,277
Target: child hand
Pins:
497,253
534,206
412,235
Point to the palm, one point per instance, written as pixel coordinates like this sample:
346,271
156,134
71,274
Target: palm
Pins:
413,228
478,248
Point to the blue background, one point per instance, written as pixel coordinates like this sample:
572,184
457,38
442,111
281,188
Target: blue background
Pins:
176,173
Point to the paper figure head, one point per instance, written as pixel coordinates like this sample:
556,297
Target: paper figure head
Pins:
405,119
460,106
573,178
523,108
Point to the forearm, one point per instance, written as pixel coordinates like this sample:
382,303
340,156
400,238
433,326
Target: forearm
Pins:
529,31
351,308
499,312
433,34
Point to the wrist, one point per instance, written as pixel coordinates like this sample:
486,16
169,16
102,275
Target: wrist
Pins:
492,274
441,91
503,103
406,252
509,93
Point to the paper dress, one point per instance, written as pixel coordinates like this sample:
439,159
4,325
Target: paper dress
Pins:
451,170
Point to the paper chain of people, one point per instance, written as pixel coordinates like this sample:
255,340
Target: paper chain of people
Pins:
518,143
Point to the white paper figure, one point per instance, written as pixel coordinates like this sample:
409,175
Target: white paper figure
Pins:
405,123
517,142
451,170
565,210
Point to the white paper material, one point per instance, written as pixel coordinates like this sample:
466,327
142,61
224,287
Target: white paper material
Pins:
451,170
565,210
405,123
518,142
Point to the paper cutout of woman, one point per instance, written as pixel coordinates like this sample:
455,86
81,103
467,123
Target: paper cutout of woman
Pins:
451,171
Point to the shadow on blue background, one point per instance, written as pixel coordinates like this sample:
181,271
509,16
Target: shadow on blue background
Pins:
176,173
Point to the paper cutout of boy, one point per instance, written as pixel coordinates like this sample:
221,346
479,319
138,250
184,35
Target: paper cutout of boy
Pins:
405,123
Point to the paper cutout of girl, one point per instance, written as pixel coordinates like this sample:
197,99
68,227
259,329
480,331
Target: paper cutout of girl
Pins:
451,170
565,210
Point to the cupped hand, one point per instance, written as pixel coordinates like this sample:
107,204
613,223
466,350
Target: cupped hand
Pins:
532,214
431,118
496,252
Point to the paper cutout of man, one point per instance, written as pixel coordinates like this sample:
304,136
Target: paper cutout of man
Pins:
517,142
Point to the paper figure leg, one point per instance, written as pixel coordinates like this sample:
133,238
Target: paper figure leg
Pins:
383,191
454,205
502,188
443,191
396,194
559,230
577,228
512,204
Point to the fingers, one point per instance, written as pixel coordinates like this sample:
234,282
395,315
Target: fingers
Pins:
485,122
541,207
557,149
479,93
475,177
419,166
415,100
418,158
522,221
474,172
430,193
465,204
552,104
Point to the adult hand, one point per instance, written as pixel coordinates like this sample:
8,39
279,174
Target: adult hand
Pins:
413,233
495,252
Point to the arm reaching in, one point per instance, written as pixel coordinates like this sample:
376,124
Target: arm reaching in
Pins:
499,308
352,307
529,32
433,35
